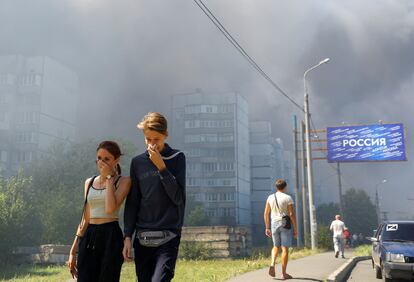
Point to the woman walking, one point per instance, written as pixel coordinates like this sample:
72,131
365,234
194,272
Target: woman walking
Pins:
99,237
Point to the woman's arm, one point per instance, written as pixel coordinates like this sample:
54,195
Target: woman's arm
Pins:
114,197
79,233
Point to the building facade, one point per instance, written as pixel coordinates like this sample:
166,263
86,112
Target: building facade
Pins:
267,164
38,105
213,132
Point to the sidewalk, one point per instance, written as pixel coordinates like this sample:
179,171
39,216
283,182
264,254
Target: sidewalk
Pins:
312,268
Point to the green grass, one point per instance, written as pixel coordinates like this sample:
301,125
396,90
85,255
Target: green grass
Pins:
363,250
186,271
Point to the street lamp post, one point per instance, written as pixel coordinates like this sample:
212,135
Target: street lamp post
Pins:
312,214
377,200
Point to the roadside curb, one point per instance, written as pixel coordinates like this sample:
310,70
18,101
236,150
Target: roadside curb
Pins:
342,272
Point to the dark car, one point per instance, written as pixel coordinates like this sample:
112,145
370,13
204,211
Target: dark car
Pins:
393,250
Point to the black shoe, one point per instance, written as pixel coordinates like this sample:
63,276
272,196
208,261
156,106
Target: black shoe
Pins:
343,256
336,254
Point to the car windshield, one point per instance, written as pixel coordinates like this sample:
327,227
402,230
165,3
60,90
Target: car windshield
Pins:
398,231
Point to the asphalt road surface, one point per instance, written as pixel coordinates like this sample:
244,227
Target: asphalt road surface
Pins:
363,272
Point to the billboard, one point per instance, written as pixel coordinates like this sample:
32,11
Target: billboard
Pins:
379,142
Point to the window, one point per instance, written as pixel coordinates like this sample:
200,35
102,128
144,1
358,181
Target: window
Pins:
193,167
211,212
208,109
211,197
192,109
194,152
192,138
24,137
211,182
228,108
226,166
228,211
31,79
192,181
226,138
227,197
7,79
27,117
24,156
209,167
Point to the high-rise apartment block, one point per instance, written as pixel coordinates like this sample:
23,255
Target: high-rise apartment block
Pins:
213,132
38,104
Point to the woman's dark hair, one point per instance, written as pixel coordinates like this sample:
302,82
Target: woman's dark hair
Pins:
113,148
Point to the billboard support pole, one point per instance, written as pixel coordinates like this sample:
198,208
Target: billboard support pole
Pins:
304,205
341,207
297,195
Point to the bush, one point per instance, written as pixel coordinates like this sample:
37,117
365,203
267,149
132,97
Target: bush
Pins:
324,237
194,251
18,224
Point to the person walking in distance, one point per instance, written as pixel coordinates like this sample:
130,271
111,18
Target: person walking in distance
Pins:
154,208
338,227
282,226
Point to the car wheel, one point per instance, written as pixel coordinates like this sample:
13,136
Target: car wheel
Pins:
384,278
378,272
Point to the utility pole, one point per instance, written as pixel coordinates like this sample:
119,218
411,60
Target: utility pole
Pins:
341,207
312,210
303,170
297,210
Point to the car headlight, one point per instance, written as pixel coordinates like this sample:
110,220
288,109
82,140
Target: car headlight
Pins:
394,257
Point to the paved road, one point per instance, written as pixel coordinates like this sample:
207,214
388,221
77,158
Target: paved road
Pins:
313,268
363,271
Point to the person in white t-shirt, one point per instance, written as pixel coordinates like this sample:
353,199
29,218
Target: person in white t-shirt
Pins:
338,227
278,205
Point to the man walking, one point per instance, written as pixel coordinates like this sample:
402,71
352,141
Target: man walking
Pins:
280,207
338,227
154,209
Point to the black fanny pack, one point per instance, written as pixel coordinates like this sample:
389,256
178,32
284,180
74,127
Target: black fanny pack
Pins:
154,238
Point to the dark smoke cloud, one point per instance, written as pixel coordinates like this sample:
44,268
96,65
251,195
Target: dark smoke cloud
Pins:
131,56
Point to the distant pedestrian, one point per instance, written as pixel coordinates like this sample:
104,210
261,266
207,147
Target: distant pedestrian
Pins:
347,237
354,240
360,238
338,227
280,207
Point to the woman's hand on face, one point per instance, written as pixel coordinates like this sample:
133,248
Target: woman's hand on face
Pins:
105,169
156,157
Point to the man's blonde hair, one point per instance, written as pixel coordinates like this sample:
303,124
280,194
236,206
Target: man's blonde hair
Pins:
154,121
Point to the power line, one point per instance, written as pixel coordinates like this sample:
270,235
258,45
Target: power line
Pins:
241,50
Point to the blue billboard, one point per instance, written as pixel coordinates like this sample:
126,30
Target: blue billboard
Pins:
379,142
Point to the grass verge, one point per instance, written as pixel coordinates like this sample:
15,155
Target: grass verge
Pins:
186,270
363,250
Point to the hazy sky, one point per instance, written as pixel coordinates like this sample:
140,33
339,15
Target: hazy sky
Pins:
132,55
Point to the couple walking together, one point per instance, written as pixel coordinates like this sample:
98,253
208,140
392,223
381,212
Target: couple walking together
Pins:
153,216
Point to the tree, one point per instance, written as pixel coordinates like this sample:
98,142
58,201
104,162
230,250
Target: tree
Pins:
360,215
194,213
18,222
58,185
325,213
